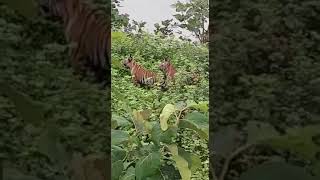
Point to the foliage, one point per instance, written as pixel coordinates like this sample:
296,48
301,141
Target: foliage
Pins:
47,114
265,72
160,134
165,28
193,16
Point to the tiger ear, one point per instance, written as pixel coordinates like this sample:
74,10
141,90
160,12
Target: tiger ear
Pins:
130,58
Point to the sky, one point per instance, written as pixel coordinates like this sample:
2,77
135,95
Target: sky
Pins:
149,11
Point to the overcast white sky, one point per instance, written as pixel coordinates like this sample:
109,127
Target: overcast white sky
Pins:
150,11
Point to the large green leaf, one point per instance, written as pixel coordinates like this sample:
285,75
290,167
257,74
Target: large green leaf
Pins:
119,121
117,153
181,163
148,166
116,170
140,120
167,111
118,137
276,171
258,131
194,161
157,135
130,174
197,122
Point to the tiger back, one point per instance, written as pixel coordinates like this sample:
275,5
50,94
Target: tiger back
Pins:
88,30
140,75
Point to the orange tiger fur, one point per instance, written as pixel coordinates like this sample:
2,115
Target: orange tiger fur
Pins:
88,31
139,74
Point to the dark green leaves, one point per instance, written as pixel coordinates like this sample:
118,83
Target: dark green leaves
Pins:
148,166
276,171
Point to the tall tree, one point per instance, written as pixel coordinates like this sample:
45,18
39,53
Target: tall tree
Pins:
193,16
165,28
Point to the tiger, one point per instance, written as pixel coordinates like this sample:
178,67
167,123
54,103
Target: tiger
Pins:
88,30
141,76
168,69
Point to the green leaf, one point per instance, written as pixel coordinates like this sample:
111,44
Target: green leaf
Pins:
117,153
165,114
116,170
276,171
260,132
130,174
120,121
118,137
194,161
197,122
157,135
181,163
139,119
148,166
201,106
225,140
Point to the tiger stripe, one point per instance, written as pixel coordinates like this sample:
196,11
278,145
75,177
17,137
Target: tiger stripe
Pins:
88,30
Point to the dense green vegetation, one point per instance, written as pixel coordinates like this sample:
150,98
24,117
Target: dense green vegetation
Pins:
265,83
46,114
140,115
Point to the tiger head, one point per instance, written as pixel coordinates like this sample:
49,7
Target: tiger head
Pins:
128,63
164,64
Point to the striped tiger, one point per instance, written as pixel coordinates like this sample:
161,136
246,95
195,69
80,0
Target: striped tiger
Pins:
141,76
168,69
88,31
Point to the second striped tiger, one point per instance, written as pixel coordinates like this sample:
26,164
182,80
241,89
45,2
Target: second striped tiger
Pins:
168,69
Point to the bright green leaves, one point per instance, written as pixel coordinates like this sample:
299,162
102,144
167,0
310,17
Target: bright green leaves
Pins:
167,111
181,163
148,166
